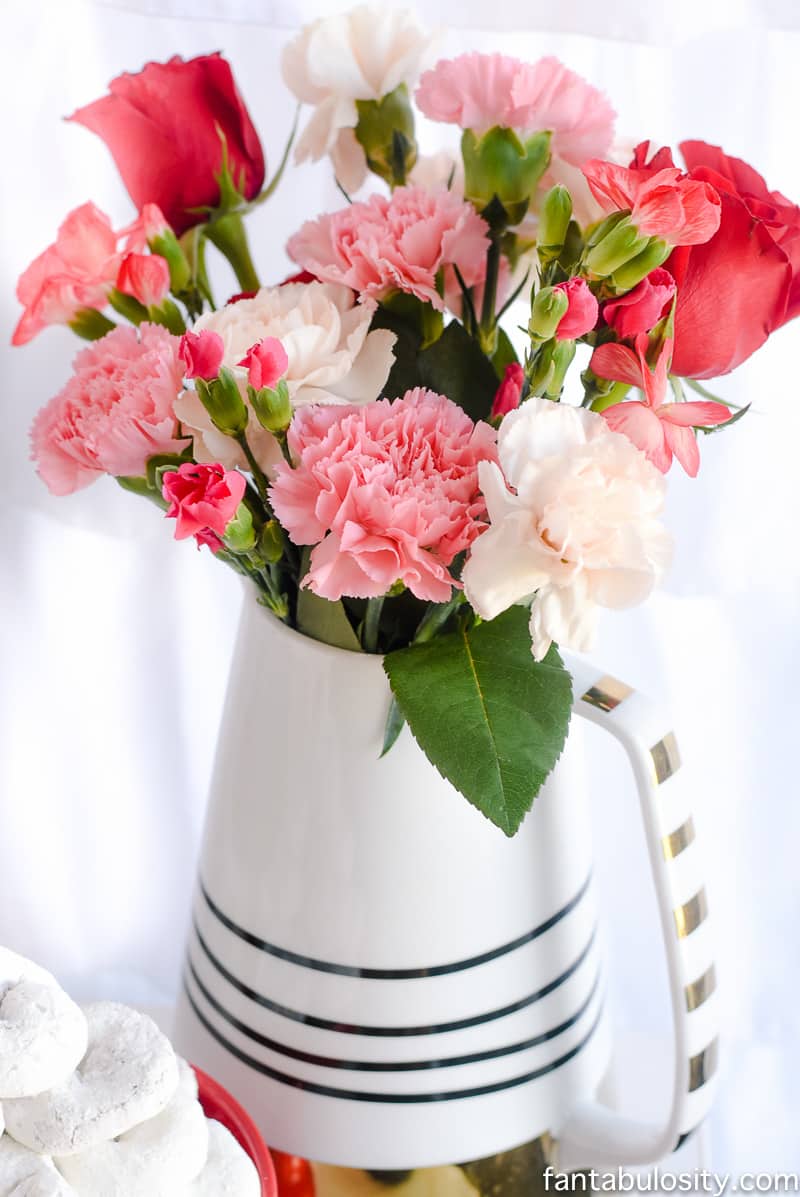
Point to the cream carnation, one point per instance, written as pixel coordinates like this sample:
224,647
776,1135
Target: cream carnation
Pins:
574,523
362,54
332,358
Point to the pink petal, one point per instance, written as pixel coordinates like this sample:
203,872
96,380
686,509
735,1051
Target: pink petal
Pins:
642,426
618,363
683,443
695,415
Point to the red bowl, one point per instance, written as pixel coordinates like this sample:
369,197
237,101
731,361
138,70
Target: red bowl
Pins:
218,1104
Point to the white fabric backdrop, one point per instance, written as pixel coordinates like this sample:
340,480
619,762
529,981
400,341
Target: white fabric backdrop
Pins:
114,641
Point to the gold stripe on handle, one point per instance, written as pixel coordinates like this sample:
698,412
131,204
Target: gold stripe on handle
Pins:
703,1066
666,757
689,916
701,990
607,693
678,841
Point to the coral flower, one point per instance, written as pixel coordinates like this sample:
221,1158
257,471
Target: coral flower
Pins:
661,430
387,493
203,499
663,203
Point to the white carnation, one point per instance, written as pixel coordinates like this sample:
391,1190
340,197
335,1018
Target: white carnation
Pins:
574,524
362,54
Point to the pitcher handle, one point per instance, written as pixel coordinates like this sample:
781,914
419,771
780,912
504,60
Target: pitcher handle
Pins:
594,1133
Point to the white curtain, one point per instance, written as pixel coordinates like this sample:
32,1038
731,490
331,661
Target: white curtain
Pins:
115,641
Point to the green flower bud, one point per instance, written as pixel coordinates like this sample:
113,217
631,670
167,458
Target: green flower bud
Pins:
627,276
270,542
547,310
127,306
385,130
272,406
563,353
499,167
616,248
180,272
554,221
223,401
240,536
91,324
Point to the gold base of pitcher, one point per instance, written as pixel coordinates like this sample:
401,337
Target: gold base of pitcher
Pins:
517,1173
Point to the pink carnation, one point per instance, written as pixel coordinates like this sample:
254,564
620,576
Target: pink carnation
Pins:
76,272
149,224
641,309
478,91
509,393
399,243
114,413
387,493
266,362
203,499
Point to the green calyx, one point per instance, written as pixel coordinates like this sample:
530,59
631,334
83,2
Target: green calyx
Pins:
385,131
499,166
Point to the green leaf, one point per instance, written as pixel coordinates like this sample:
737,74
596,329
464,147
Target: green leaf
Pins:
504,354
395,722
404,374
321,619
456,366
491,719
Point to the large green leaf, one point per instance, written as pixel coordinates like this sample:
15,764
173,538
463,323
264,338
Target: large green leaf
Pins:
491,719
455,366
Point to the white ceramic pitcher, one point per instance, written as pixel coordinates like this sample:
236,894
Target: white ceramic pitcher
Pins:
383,978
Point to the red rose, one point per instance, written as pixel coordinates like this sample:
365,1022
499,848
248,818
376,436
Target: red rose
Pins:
742,284
163,127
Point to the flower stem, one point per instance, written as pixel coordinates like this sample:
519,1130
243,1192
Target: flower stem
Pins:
259,477
372,622
436,617
488,321
229,236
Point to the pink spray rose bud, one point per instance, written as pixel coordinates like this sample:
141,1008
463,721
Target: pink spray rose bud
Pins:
266,362
149,224
642,308
509,392
145,277
202,354
581,315
202,499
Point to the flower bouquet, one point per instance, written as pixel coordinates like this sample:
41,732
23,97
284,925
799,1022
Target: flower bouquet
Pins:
445,439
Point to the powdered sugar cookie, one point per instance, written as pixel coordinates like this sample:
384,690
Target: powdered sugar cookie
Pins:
128,1074
156,1159
23,1174
43,1034
229,1171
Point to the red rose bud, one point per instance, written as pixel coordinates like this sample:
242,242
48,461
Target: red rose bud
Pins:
145,277
642,308
509,393
201,354
582,312
202,498
168,129
265,362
